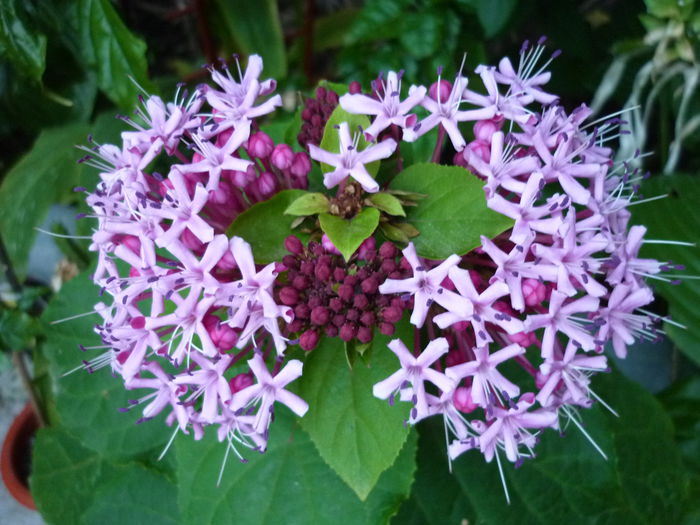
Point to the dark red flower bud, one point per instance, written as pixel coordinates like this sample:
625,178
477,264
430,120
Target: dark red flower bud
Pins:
392,314
370,285
346,291
386,328
360,301
348,331
336,304
320,315
289,296
368,318
364,334
309,340
293,245
302,311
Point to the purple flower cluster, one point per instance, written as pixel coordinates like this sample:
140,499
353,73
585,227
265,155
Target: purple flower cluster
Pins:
548,294
183,293
544,297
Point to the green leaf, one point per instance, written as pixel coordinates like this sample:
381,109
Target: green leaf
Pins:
288,484
63,476
348,234
454,215
40,178
254,28
642,482
265,226
331,141
74,485
112,51
387,203
357,434
23,45
88,404
494,15
308,204
421,33
675,218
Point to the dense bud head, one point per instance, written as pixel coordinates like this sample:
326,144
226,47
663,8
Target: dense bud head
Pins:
440,91
282,156
309,340
346,291
260,145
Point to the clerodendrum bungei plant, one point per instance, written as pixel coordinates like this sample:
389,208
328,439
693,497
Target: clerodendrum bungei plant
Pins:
512,296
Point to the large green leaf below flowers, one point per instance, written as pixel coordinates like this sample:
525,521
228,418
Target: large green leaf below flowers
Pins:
289,483
453,215
73,485
358,435
642,482
675,218
88,405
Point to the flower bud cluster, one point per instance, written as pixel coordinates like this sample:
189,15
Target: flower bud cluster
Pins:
333,298
317,110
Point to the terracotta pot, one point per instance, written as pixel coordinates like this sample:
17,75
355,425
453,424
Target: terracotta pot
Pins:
15,461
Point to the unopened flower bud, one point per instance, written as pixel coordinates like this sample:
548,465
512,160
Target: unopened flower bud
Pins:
222,335
301,165
267,184
355,87
462,399
387,328
441,90
260,145
484,129
282,157
392,314
364,334
293,245
239,382
289,296
387,250
348,331
320,315
534,292
309,340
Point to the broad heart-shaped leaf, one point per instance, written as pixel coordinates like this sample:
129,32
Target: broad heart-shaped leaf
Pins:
357,434
348,234
308,204
642,482
22,44
454,215
289,483
331,141
675,218
254,27
74,485
265,226
114,52
88,404
40,178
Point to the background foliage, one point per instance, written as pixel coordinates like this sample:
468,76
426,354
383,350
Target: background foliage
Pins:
68,66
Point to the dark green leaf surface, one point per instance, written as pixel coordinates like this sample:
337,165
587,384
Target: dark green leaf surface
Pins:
357,434
494,14
643,481
112,51
675,218
255,28
454,215
73,485
265,226
88,404
348,234
40,178
24,45
288,484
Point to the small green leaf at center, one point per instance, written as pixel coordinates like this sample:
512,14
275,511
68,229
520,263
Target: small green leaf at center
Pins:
348,234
